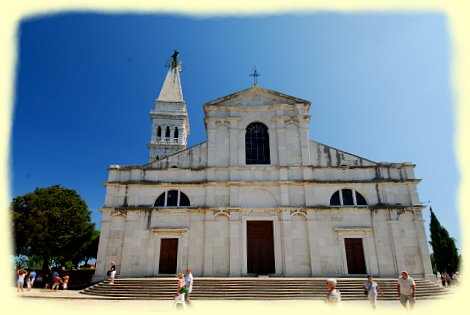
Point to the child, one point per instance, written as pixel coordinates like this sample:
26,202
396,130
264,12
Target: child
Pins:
57,282
65,281
179,296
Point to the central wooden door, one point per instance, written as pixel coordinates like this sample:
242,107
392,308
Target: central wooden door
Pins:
260,247
355,256
168,256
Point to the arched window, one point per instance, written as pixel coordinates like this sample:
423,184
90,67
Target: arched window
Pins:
347,197
159,131
257,144
172,198
160,201
167,132
334,200
176,133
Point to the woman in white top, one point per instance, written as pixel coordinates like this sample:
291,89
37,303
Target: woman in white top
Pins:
21,275
372,288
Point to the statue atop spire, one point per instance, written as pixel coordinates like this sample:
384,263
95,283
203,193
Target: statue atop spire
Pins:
171,90
175,61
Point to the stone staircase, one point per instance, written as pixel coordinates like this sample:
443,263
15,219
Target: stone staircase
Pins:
253,288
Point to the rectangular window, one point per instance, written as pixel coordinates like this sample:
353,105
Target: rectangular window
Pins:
347,197
172,199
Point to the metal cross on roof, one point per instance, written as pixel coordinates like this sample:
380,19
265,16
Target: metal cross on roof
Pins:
255,76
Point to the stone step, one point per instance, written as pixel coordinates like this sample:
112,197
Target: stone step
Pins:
252,288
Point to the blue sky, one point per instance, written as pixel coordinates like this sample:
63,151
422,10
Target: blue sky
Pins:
379,84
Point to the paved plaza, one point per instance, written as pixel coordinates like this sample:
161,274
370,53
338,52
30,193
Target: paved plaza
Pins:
46,301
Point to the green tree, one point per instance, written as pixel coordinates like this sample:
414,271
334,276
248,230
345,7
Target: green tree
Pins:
91,251
88,249
52,222
445,253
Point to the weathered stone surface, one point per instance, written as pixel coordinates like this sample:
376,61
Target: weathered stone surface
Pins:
293,191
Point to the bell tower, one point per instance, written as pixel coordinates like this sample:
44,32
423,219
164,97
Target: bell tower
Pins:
170,125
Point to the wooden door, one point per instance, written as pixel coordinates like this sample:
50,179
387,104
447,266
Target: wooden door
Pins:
260,247
355,256
168,256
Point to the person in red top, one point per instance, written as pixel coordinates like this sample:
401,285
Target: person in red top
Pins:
57,282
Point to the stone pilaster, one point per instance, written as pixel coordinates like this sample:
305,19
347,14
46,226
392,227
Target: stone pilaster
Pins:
396,245
235,248
312,230
286,224
208,236
101,267
424,251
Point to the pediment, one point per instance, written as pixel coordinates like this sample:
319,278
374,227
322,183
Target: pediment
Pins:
256,96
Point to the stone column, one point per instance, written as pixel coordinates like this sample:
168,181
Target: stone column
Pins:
278,254
235,246
369,243
315,264
158,243
286,224
423,246
211,144
380,234
234,196
195,232
208,236
304,141
394,226
234,135
309,194
101,267
281,140
241,147
183,245
128,250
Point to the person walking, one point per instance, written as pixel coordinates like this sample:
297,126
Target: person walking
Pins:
334,296
57,281
53,276
438,279
21,276
112,273
180,291
65,281
443,280
406,290
448,280
47,279
32,278
189,284
371,289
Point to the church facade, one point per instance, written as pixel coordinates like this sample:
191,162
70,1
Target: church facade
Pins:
257,198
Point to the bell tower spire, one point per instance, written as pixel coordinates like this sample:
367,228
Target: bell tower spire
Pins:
170,125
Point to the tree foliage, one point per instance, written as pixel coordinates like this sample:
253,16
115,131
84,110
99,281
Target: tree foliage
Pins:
53,223
445,253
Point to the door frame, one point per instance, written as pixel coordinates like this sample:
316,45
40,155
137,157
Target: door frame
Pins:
356,251
176,260
267,227
359,232
159,233
276,240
